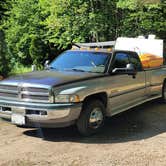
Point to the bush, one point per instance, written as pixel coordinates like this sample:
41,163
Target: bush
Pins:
19,69
4,60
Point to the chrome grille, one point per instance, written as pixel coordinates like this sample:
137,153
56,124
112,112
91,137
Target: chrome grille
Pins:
30,97
24,93
32,89
8,95
8,87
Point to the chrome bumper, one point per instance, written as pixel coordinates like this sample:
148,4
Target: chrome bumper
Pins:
40,114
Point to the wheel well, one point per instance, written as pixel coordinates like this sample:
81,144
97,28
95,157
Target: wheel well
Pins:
100,96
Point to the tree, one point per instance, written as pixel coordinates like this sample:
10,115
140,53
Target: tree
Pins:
4,65
143,17
35,30
80,21
24,28
66,22
4,60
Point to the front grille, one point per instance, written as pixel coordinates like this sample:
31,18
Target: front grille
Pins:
8,87
32,97
10,95
32,89
5,109
24,93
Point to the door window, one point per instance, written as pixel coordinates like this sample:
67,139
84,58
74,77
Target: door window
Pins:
134,59
121,60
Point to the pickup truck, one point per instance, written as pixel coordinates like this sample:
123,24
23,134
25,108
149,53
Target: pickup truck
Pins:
83,86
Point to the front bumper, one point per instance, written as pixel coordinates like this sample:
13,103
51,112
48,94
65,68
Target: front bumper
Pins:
40,114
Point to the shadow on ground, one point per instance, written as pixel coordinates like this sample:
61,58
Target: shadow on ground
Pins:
142,122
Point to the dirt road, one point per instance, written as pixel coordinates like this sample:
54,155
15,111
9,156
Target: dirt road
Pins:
136,137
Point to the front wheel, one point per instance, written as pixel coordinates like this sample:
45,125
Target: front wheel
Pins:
92,117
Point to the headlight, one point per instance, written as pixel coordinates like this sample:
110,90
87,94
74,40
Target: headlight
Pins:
67,99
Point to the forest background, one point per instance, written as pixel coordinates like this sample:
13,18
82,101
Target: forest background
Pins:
32,31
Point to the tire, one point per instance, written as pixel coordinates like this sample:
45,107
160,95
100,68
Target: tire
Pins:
164,92
92,118
24,127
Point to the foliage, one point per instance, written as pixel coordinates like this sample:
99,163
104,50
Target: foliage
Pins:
19,69
143,18
4,59
32,31
79,21
66,22
4,65
24,31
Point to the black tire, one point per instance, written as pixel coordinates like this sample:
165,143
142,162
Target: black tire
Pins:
90,107
164,92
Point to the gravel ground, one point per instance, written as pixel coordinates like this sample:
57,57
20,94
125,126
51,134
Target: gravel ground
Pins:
136,137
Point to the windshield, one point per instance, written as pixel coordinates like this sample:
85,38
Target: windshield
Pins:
82,61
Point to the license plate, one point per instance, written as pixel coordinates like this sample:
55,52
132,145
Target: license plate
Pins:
18,119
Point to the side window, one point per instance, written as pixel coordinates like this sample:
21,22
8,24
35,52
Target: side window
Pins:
121,60
134,59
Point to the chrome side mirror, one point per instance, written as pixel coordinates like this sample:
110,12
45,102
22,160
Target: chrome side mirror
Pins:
46,64
129,69
33,67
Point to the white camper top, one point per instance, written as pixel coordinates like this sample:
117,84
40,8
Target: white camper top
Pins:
141,45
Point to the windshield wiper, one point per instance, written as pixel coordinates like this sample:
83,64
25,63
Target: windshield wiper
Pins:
75,69
50,67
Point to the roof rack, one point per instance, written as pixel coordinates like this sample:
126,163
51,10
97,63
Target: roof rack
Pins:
94,45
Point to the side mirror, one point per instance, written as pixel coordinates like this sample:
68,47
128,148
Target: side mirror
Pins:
33,67
130,70
130,66
1,77
46,64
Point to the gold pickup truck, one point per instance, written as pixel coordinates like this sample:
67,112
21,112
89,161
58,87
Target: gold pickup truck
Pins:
84,85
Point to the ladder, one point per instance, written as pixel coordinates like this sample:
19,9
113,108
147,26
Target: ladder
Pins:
106,44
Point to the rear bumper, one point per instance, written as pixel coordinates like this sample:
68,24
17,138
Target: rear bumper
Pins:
40,114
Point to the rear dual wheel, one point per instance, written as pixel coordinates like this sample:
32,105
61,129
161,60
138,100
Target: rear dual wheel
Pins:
92,117
164,92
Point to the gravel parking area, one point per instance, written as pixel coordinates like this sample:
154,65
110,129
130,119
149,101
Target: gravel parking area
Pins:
136,137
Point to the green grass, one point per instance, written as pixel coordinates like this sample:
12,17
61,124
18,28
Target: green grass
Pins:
19,69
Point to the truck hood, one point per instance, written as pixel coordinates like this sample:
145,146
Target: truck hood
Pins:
50,78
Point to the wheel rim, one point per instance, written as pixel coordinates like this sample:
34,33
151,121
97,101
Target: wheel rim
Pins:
96,118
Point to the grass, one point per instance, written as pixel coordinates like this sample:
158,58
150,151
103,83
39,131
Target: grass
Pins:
19,69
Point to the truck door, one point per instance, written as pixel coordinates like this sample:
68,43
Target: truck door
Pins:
126,90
